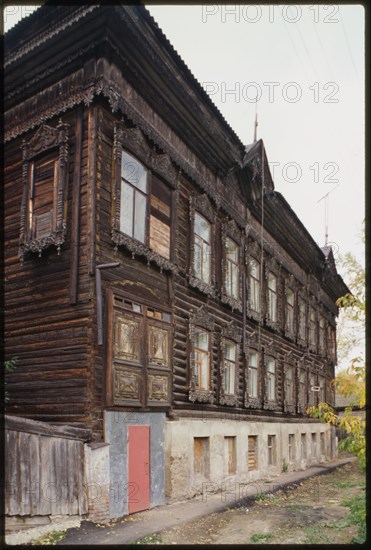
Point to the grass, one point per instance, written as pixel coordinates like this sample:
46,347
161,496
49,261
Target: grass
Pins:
262,496
51,538
357,506
149,539
315,535
345,484
260,537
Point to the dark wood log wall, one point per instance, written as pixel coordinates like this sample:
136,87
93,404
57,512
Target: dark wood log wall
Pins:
49,298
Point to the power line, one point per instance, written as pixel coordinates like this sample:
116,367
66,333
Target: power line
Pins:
323,51
347,43
306,49
302,65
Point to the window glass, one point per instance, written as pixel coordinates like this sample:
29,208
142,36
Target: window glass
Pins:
133,172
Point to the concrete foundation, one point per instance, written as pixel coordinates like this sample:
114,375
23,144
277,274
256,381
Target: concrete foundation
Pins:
225,460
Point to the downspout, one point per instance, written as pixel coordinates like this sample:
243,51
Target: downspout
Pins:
98,285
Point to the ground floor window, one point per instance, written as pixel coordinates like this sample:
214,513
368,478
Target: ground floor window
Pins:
201,456
271,450
314,444
323,443
291,444
252,452
230,454
303,441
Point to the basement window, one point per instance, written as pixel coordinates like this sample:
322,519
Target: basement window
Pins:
230,454
252,452
201,456
271,450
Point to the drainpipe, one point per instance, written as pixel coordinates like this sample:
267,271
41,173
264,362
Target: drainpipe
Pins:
98,284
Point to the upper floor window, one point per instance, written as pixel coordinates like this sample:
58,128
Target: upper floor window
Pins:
312,326
321,396
271,378
332,342
290,297
312,389
302,388
202,249
160,218
272,297
302,319
202,358
229,367
254,285
253,374
322,335
134,191
45,178
289,384
232,274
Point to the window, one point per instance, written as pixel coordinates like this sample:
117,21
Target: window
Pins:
272,297
160,218
290,310
202,359
229,371
302,319
202,248
303,445
323,443
314,445
322,334
133,203
332,342
289,384
291,449
271,378
232,274
44,202
254,285
302,388
230,454
139,370
201,456
253,373
312,328
321,389
271,450
252,452
312,392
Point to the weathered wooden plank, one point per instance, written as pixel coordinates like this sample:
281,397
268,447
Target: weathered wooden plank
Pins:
75,222
33,426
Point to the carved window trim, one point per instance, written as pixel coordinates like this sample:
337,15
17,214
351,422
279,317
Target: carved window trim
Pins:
253,252
289,406
303,342
291,284
200,318
312,395
233,334
270,350
313,345
201,204
133,141
254,402
44,140
230,230
271,266
152,380
301,368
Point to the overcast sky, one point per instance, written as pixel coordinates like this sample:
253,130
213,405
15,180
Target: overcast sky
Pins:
305,66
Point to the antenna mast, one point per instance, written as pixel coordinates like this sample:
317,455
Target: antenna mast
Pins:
256,119
327,208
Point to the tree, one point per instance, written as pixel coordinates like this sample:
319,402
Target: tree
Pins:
350,383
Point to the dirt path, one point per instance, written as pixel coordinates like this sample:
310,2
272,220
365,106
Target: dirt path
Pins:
313,512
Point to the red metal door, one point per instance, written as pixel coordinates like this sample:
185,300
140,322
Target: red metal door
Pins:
138,487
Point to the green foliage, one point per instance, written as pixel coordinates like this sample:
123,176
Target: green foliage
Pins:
315,535
285,466
262,537
261,496
51,538
357,516
149,539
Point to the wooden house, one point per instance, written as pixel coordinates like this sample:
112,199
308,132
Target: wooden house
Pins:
159,291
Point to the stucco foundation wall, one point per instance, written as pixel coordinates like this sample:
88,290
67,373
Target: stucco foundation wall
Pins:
181,480
116,434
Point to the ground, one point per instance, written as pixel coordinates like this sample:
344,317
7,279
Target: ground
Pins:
311,512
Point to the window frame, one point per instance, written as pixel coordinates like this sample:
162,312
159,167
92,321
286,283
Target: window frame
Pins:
253,402
229,333
253,282
313,327
270,352
45,140
158,165
302,321
302,400
289,404
200,319
272,298
230,231
272,450
202,206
